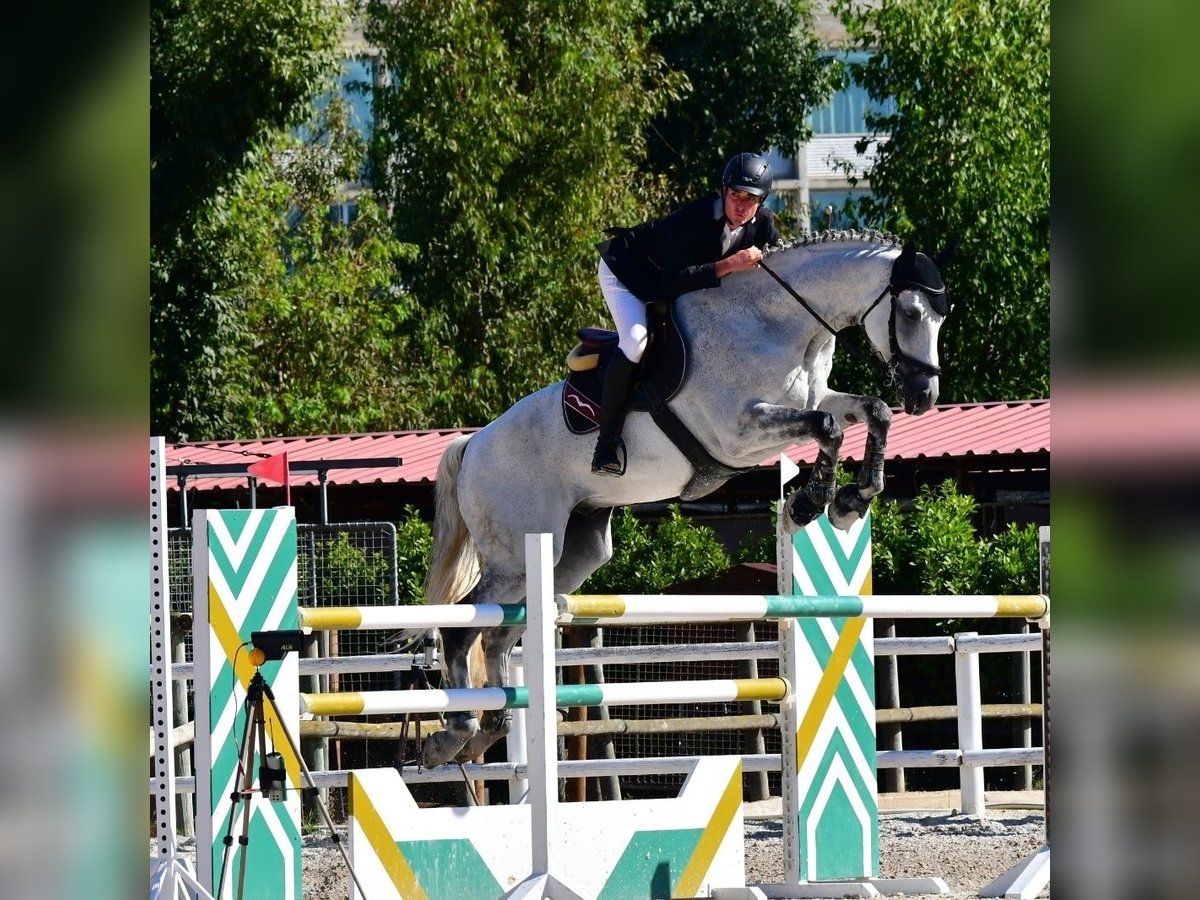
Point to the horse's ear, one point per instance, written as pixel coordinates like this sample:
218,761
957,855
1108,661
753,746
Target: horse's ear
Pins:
909,253
944,257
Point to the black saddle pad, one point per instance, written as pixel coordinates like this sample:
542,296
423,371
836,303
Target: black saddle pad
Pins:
663,371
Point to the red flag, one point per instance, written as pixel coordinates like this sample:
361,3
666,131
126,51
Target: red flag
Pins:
274,468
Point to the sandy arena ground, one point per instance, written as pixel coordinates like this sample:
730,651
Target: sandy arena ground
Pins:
919,835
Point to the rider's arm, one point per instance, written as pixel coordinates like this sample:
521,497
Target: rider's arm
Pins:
686,240
765,234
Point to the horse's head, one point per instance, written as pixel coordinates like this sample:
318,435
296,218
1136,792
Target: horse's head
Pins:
905,331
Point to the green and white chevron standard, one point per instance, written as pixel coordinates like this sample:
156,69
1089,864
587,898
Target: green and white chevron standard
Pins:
244,564
831,806
683,847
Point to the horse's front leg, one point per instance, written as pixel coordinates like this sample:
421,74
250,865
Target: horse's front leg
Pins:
784,423
853,500
496,723
461,726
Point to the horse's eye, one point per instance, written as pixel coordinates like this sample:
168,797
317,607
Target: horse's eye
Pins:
912,314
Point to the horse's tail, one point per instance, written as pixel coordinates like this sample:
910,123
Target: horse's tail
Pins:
453,560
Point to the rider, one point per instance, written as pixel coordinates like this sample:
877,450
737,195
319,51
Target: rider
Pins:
692,248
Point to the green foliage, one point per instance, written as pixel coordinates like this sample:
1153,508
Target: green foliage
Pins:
648,558
758,548
414,537
226,76
1010,561
504,145
318,299
967,157
346,574
755,73
933,548
309,307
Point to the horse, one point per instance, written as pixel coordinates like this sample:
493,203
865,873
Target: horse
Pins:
760,350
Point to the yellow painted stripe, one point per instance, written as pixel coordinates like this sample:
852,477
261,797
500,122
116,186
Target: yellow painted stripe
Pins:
349,703
761,688
330,618
594,606
710,841
230,641
380,839
834,672
1031,606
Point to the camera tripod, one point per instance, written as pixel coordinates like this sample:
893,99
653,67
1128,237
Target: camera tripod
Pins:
272,780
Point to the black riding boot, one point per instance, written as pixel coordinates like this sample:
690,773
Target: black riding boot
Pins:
618,391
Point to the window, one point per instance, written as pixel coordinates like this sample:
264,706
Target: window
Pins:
343,213
354,87
837,198
847,109
355,84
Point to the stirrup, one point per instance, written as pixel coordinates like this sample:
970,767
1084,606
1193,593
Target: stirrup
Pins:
610,458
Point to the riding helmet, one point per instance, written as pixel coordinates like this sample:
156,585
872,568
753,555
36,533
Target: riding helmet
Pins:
748,172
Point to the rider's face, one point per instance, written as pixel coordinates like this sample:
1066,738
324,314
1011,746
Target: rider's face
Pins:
740,207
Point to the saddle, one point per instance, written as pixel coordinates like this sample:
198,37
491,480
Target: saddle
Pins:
664,369
664,366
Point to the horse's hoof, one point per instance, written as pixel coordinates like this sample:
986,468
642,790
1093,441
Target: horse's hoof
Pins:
847,507
440,748
798,511
478,745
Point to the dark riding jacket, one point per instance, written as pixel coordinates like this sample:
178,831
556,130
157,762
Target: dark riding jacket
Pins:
665,257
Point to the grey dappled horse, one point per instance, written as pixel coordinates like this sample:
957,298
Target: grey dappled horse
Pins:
757,383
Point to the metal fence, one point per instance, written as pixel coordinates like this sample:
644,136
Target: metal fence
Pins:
344,564
697,743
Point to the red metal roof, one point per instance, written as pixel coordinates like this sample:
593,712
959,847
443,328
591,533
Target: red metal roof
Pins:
954,430
951,430
419,451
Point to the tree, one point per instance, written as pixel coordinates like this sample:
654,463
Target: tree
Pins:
310,305
755,71
317,300
226,76
503,145
967,157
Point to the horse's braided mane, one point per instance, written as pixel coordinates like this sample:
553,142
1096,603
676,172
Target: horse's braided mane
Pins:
846,234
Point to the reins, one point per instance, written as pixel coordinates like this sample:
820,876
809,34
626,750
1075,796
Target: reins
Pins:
762,263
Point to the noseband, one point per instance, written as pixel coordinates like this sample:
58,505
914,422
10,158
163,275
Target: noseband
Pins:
900,361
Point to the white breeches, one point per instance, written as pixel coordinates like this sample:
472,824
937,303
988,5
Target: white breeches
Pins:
628,312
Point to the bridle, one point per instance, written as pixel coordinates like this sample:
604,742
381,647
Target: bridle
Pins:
899,361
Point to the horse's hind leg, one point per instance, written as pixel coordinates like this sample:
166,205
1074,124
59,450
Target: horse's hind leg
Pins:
461,725
586,546
495,723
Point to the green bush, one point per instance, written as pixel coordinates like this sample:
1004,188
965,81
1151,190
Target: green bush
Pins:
930,548
648,558
413,539
345,573
1010,563
933,548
